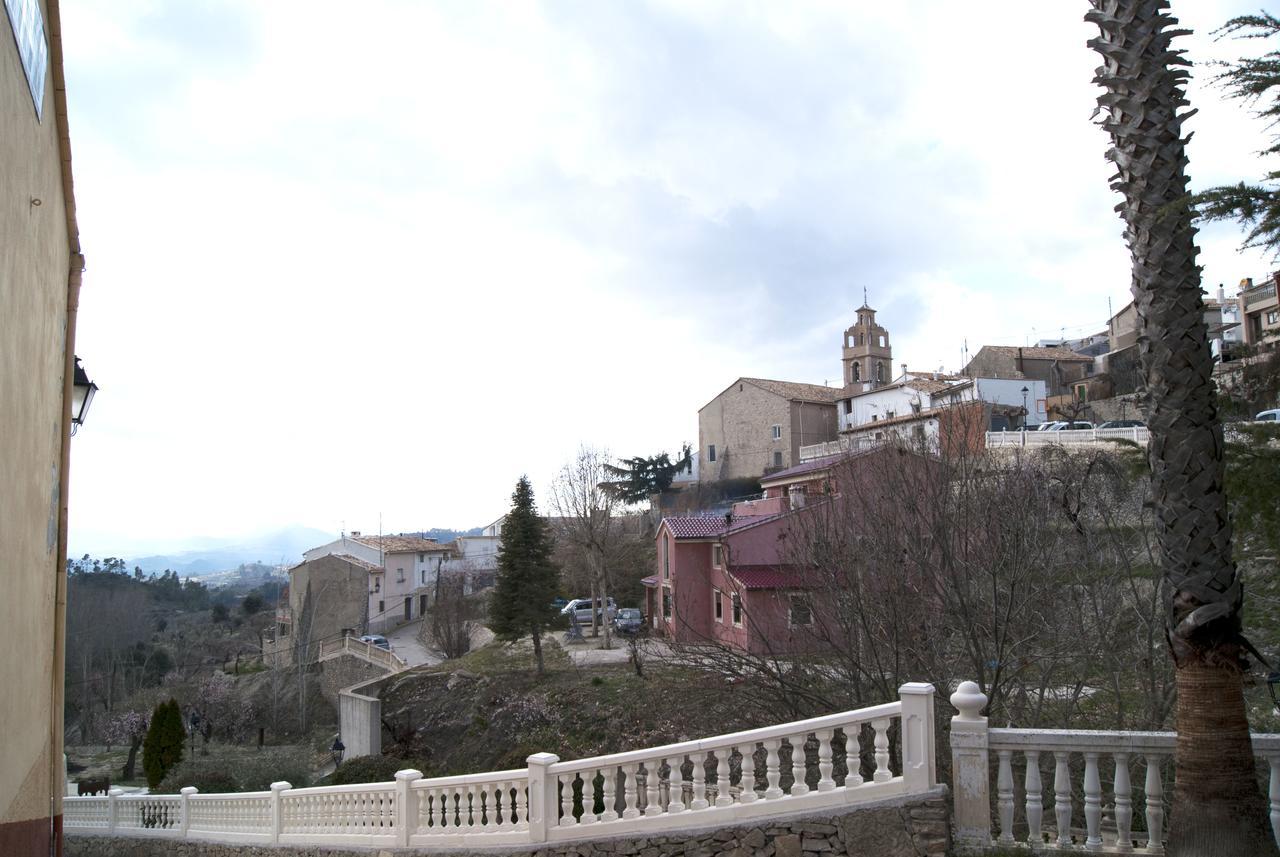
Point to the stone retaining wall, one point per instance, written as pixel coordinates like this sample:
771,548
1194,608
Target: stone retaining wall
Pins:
899,828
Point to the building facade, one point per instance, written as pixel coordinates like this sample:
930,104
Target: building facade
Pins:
756,426
1058,368
40,271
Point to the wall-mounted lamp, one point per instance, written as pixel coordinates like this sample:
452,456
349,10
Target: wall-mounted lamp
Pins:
82,390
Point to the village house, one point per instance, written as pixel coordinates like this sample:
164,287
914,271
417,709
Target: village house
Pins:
1057,367
757,426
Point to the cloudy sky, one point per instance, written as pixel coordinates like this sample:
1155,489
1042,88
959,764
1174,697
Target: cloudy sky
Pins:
380,258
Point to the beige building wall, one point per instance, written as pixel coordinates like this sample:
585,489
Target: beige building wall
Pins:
327,595
38,249
740,423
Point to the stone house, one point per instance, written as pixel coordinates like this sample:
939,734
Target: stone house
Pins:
1057,367
328,597
757,426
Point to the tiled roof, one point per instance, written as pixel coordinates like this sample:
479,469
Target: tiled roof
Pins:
356,561
401,544
801,469
685,527
770,577
651,580
1035,353
927,385
795,390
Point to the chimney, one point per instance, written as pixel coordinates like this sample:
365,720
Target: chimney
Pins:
355,534
1246,283
1222,294
904,368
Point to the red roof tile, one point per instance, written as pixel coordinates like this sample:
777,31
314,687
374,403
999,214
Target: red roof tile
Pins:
769,577
687,527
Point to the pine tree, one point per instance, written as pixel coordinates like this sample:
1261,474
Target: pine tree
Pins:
640,477
162,748
528,581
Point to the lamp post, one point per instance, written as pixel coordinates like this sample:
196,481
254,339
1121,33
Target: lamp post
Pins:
82,390
1024,408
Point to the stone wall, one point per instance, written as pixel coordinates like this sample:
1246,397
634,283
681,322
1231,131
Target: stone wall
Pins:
344,671
916,828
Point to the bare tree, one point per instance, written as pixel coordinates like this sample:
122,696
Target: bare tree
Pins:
451,616
586,525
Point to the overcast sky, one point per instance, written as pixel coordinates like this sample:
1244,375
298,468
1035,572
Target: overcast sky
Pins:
351,259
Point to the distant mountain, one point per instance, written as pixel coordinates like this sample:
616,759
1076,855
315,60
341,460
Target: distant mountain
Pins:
285,545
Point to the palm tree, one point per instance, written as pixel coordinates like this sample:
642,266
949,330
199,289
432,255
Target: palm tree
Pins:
1217,807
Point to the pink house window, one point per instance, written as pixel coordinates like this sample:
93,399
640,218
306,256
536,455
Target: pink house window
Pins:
736,601
666,602
717,598
666,557
717,556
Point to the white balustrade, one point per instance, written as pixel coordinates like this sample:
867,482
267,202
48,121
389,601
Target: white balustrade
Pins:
1096,753
686,785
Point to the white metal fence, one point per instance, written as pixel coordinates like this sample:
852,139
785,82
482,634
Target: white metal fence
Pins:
1074,437
825,762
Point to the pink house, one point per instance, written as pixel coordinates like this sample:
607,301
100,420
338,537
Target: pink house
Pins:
726,580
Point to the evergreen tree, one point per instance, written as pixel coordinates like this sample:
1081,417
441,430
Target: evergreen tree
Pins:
640,477
162,748
1255,80
528,581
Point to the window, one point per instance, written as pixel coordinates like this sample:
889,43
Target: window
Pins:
666,557
382,607
399,575
915,407
717,555
1273,316
801,613
424,577
735,603
717,599
879,372
857,371
888,415
711,452
666,602
1082,392
777,458
848,406
919,432
777,432
422,557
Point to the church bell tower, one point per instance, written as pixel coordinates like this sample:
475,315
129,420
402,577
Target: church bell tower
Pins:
867,355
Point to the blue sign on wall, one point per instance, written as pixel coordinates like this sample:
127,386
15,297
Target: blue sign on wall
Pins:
27,22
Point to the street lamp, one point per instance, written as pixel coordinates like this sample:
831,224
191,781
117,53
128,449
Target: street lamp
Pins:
82,390
1024,408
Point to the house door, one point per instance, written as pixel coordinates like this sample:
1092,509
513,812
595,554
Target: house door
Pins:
408,608
422,605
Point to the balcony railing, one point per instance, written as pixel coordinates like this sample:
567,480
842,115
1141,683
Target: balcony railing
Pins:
1258,294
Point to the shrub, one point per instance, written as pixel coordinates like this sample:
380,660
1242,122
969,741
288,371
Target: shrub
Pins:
162,748
209,775
369,769
228,772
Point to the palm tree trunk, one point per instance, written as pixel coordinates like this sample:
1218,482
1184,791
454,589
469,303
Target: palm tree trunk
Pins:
1217,807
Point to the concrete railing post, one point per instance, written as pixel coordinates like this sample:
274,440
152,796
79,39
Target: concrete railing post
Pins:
277,818
406,806
113,808
184,810
971,789
919,753
544,802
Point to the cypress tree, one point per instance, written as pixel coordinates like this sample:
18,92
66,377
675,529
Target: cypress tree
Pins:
528,581
162,748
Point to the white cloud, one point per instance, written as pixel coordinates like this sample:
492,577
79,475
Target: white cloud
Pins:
384,258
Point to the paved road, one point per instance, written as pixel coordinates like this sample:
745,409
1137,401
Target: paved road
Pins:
405,643
588,651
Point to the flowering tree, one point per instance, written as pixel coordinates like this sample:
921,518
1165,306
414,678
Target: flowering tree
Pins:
221,708
128,727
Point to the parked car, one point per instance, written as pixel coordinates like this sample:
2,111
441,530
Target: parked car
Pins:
1268,416
628,621
1046,426
377,640
1123,424
1078,425
580,609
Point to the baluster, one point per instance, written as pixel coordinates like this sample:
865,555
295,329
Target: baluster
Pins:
652,788
610,775
852,756
1124,803
881,727
675,788
522,805
1035,799
825,783
747,776
799,766
1273,792
566,799
1154,800
724,797
699,781
1062,796
474,810
1092,802
771,771
1004,795
630,795
589,798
